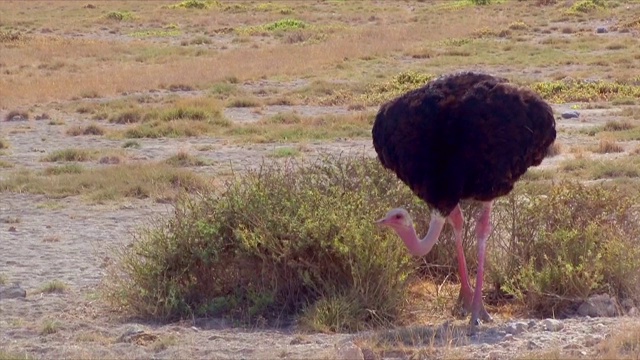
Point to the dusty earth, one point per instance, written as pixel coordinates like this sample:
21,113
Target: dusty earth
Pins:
69,240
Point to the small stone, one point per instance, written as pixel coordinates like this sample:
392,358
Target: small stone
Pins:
495,355
600,305
602,30
553,325
531,345
195,329
570,114
531,324
12,229
633,311
516,328
12,292
572,346
508,337
350,351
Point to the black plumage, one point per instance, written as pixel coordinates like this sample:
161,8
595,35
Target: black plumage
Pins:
463,136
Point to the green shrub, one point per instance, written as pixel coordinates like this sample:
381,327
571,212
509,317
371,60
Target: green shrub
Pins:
119,15
195,4
278,241
585,6
563,243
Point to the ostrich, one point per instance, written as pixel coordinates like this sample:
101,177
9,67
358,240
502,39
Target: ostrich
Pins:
462,136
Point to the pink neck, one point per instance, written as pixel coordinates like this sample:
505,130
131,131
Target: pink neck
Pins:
422,247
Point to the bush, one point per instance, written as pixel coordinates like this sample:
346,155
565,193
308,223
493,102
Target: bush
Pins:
279,241
559,248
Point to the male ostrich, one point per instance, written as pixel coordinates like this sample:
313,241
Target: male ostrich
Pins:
462,136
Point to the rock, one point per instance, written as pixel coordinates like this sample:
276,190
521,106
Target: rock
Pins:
350,351
633,311
599,306
130,334
572,346
516,328
12,292
553,325
508,337
531,345
602,30
570,114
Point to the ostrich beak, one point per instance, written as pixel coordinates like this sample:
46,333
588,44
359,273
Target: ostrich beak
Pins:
380,221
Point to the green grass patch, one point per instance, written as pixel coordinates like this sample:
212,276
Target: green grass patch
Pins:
585,91
283,25
49,327
92,129
6,164
71,155
4,144
119,15
586,6
195,4
64,169
284,152
185,159
399,84
156,33
54,286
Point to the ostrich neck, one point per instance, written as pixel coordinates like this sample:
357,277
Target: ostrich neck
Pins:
416,246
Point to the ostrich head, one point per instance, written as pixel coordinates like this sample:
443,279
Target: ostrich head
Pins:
397,219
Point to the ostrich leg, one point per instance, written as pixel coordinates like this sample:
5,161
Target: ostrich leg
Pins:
465,298
483,229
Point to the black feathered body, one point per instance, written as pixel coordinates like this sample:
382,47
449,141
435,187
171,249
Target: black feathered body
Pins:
463,136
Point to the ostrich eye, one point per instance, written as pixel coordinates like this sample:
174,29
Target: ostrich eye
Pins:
398,216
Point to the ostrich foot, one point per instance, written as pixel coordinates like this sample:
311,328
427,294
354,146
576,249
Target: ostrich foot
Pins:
464,307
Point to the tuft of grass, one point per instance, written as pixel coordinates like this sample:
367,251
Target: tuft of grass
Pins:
131,144
3,279
127,117
399,84
54,286
195,4
283,25
70,155
92,129
623,344
585,6
4,144
119,15
606,146
6,164
285,152
50,327
183,158
614,125
16,114
244,102
64,169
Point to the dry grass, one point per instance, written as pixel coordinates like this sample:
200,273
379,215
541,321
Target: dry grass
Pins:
156,181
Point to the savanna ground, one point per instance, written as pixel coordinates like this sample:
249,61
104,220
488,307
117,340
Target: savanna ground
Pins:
111,110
